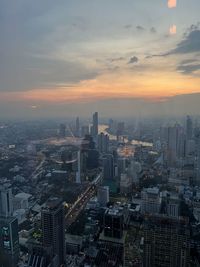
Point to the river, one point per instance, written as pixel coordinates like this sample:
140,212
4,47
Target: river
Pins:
103,127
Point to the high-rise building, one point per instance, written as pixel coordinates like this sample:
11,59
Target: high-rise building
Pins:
9,240
78,173
6,200
103,195
125,184
62,130
113,223
108,166
150,200
95,124
189,128
166,242
121,164
173,142
85,130
103,143
53,228
198,158
170,204
77,127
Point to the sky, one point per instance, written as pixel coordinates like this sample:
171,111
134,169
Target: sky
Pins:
69,57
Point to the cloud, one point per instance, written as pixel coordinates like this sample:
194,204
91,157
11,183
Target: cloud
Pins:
153,30
116,59
189,44
133,60
38,72
140,28
188,61
128,26
188,69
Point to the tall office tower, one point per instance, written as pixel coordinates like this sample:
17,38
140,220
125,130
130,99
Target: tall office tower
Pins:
103,143
6,200
172,144
189,128
103,195
9,240
121,164
53,227
198,158
77,127
181,145
108,167
85,130
95,125
166,242
114,223
120,130
62,130
78,173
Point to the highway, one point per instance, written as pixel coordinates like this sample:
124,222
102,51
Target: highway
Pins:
81,202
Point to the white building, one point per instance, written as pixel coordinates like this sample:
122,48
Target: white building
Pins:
125,184
6,200
150,200
21,201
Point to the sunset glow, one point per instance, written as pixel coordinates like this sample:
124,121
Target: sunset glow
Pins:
76,55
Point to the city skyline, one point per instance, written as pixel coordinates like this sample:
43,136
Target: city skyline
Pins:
58,56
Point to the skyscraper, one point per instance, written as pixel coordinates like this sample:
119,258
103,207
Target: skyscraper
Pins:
173,144
77,127
189,128
198,158
78,173
62,130
6,200
9,240
95,124
103,195
103,143
108,167
166,242
53,228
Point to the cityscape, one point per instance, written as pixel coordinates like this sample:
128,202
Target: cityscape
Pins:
99,133
91,193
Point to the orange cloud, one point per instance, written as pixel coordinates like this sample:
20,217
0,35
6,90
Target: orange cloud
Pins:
172,3
152,86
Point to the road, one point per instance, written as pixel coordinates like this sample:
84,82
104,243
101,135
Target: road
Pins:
81,202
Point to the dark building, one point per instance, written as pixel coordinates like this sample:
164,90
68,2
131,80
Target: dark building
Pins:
103,143
53,227
108,166
95,125
40,256
77,133
189,128
166,242
9,240
62,130
6,204
113,223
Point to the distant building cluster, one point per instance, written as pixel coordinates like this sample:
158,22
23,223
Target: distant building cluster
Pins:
98,193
